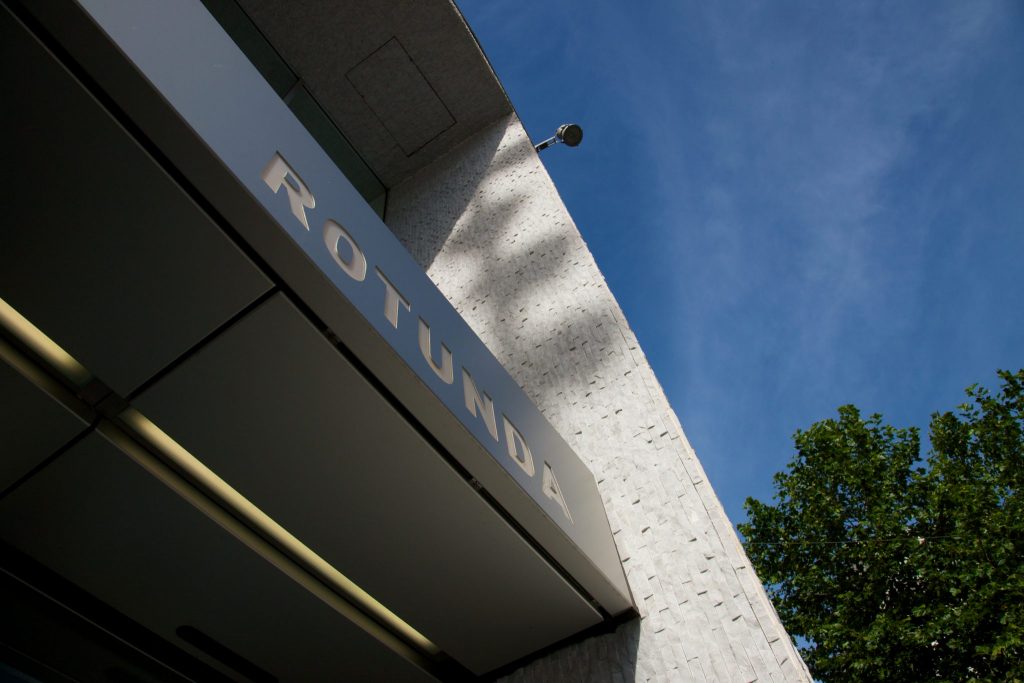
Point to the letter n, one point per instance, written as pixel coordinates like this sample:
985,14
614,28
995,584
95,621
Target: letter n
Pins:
474,401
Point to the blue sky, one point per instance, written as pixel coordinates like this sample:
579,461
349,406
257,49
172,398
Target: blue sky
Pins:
798,205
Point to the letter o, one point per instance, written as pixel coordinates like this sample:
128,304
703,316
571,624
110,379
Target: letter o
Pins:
354,267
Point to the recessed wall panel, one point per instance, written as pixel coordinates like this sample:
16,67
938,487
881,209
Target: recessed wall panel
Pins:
283,417
105,524
99,247
32,425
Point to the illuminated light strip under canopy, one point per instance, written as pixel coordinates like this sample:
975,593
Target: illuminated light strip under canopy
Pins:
42,345
213,496
219,489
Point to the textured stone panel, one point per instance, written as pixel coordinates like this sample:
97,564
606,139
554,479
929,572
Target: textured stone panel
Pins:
487,224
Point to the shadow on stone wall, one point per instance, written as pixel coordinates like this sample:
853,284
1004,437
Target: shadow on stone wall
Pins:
486,225
425,232
609,657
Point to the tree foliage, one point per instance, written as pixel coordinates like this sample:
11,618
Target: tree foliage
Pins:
894,568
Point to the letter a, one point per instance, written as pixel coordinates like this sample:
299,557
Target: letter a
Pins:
553,491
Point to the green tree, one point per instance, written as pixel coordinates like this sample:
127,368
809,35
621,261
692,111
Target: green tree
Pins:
894,568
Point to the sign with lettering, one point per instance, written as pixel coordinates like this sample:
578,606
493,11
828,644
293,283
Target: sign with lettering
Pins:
352,260
279,170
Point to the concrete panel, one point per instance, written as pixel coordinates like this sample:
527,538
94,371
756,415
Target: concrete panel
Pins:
437,40
396,91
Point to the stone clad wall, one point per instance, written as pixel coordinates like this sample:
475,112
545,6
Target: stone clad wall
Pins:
487,224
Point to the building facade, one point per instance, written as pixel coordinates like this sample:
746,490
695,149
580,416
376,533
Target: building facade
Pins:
309,375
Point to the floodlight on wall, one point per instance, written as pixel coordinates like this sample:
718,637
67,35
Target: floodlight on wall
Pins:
569,133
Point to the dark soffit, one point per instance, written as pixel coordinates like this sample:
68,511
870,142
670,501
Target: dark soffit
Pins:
406,81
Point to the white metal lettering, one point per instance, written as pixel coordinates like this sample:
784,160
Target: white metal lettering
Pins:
354,267
353,262
552,490
518,450
392,300
299,196
444,371
473,401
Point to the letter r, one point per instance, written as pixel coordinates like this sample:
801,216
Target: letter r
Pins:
299,196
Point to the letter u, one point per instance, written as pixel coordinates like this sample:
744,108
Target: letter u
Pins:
445,371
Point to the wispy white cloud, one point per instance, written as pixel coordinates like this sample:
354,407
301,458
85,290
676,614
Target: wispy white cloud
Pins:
773,132
771,166
805,118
